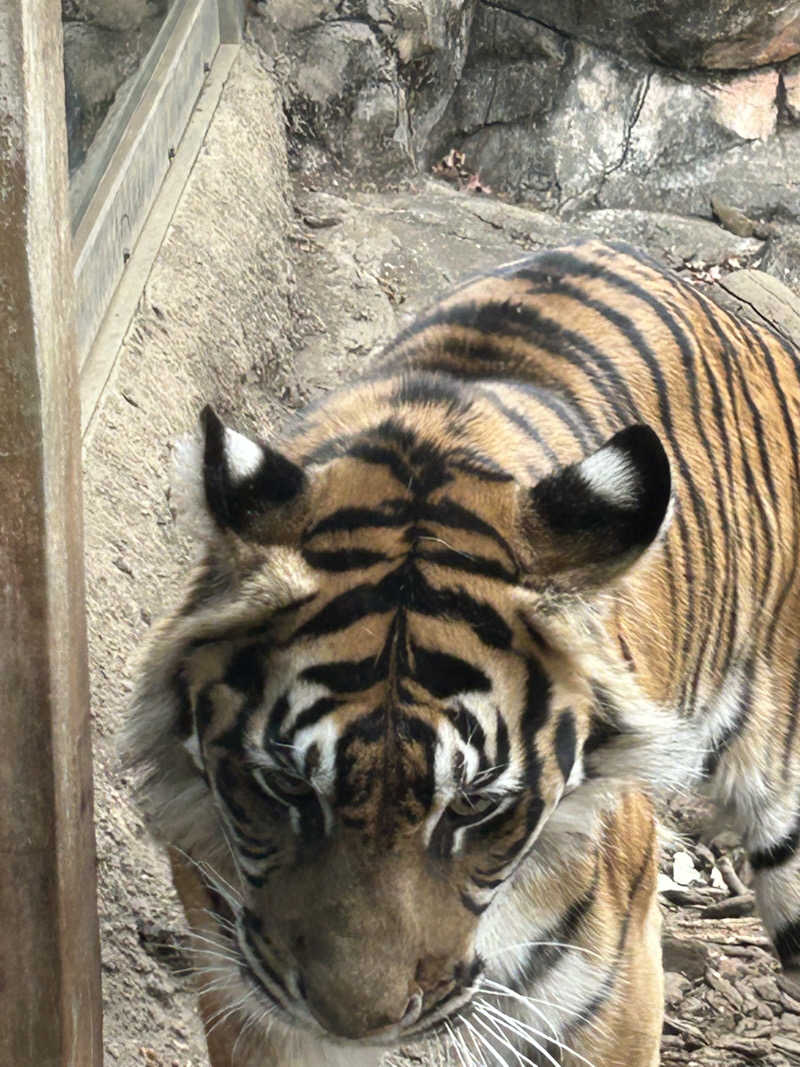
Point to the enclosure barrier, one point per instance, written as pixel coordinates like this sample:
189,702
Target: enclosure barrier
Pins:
50,1007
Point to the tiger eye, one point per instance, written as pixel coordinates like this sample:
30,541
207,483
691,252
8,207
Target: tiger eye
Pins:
467,806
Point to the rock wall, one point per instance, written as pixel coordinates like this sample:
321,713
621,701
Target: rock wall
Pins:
567,106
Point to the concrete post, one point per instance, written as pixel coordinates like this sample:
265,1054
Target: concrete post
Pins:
50,1008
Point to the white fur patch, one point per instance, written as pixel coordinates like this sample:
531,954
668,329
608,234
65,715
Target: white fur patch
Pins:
610,475
192,746
187,492
243,456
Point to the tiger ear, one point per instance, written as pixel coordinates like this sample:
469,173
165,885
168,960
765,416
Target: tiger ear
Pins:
589,522
243,479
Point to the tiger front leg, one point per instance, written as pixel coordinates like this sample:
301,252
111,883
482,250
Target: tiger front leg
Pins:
224,1030
777,888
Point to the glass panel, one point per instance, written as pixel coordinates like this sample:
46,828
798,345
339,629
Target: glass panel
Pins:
110,49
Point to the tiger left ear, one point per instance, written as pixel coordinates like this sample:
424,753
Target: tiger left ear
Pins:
243,479
589,522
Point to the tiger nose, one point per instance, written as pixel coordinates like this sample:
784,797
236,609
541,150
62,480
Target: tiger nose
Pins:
355,1018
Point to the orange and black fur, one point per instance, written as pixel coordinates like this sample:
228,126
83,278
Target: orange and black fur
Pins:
442,645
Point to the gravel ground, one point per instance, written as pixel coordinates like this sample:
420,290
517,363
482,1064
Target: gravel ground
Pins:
727,1002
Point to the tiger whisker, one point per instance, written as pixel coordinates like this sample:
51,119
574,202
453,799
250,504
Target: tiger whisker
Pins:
456,1043
205,940
496,989
506,1022
537,1011
571,1003
479,1041
252,1023
545,944
520,1057
510,1021
226,1012
213,878
441,541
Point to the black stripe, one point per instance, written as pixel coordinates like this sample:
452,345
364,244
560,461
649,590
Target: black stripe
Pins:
794,451
312,824
380,455
727,600
565,263
566,743
348,676
471,564
395,512
248,926
534,716
468,727
539,959
721,744
312,714
343,559
787,942
405,588
245,672
576,419
275,720
522,422
251,853
573,265
606,723
445,676
484,881
779,852
433,389
448,512
729,361
473,905
349,607
471,462
590,1010
502,747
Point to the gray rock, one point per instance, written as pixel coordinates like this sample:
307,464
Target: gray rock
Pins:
671,238
762,298
353,77
790,87
717,34
782,255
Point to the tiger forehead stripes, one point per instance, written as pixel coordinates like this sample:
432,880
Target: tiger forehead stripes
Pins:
542,560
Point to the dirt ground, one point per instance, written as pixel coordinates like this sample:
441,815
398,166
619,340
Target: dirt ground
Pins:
727,1003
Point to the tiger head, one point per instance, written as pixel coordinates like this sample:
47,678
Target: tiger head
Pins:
384,690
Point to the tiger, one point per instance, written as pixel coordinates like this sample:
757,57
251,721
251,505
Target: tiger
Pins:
445,645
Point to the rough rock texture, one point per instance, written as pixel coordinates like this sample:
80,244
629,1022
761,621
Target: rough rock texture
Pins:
353,73
719,34
563,106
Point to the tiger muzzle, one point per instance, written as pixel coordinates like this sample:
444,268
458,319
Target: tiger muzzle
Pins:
375,942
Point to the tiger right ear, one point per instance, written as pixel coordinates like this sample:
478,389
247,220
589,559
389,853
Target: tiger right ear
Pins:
589,522
243,479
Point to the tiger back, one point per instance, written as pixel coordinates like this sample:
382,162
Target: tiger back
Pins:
538,563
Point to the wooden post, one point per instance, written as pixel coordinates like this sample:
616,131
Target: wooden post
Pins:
49,955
